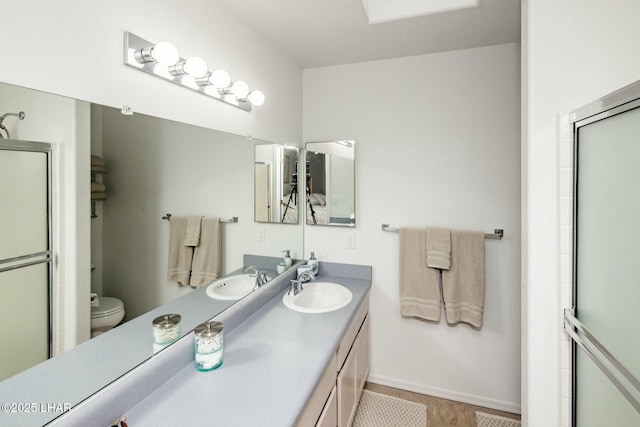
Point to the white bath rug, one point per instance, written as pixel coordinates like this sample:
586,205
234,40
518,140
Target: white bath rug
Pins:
488,420
380,410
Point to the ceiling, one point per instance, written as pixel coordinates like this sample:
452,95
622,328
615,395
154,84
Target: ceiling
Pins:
317,33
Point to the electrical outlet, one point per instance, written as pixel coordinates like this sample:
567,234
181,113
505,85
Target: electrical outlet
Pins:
262,236
351,241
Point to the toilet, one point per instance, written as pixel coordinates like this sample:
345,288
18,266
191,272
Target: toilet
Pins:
106,313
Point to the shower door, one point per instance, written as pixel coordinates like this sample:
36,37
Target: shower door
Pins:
606,315
25,255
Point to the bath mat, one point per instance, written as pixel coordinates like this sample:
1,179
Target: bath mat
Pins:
380,410
488,420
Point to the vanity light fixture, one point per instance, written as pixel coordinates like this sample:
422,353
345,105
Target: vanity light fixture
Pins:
194,66
163,60
164,53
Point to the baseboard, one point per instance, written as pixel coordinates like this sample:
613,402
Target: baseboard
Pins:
513,407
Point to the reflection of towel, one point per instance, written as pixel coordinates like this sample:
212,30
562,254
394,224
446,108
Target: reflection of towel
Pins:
463,285
98,196
438,244
180,256
192,231
97,187
419,285
207,258
97,161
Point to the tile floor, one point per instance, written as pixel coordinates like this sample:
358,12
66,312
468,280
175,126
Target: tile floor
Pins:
441,412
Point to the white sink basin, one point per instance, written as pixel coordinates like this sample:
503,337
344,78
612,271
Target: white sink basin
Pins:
232,287
319,297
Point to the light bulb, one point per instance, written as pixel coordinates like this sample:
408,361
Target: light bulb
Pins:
220,79
256,98
240,89
195,66
165,53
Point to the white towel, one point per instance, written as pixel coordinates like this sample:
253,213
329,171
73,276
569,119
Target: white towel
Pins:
419,285
207,257
180,256
463,284
438,246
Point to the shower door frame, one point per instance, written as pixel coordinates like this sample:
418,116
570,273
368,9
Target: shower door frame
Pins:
619,102
47,255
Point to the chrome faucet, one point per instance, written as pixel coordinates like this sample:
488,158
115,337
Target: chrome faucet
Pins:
296,285
261,277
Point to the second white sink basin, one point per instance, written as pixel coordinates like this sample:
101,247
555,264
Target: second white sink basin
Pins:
232,287
319,297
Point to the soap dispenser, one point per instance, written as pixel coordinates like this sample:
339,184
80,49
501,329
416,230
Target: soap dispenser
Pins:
287,258
313,263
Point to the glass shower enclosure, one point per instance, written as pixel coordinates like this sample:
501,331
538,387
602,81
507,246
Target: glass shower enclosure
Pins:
25,255
605,315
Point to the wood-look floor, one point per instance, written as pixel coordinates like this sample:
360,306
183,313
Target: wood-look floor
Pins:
441,412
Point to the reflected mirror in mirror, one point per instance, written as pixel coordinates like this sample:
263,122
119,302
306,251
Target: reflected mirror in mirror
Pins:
330,183
153,167
276,190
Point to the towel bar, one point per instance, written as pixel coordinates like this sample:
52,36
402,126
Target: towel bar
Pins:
234,219
497,233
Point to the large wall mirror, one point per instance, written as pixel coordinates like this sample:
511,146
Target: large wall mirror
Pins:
330,183
153,167
276,179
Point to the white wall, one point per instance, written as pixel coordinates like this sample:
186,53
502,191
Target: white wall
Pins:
75,48
439,145
577,52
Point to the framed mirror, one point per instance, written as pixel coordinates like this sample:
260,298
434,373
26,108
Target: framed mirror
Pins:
330,183
275,184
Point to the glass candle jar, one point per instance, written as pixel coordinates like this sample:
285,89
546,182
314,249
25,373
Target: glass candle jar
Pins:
209,343
166,328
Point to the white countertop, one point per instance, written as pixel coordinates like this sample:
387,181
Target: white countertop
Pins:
272,363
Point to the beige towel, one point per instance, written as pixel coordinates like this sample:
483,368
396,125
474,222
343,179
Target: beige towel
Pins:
192,232
438,246
463,285
97,187
207,258
98,196
97,161
180,256
419,285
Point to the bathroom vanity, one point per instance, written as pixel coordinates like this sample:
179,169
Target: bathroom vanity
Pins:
281,367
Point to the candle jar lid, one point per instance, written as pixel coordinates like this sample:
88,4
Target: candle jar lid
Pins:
167,321
209,329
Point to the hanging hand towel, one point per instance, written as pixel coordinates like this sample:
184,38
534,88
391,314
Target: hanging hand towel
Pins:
180,256
207,258
192,231
97,187
438,246
419,285
463,284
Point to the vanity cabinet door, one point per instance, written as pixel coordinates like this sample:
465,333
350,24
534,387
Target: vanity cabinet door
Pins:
353,376
362,356
329,416
347,390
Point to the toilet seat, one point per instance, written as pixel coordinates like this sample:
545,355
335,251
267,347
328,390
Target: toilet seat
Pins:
108,306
